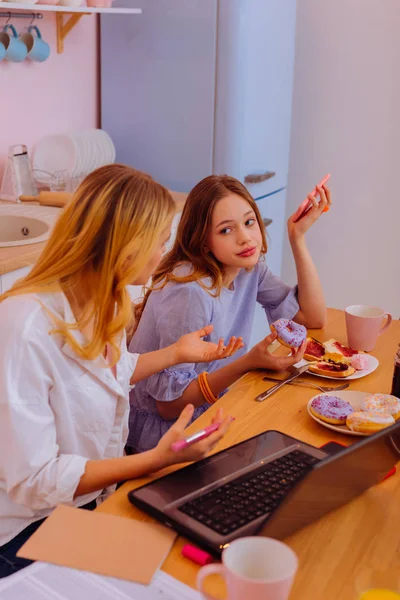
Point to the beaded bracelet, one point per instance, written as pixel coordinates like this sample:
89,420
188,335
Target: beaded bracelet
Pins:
205,388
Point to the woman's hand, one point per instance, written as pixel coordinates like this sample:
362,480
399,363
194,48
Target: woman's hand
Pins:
259,357
191,348
165,456
298,229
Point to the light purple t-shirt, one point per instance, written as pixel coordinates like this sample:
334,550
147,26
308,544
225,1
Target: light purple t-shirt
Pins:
180,308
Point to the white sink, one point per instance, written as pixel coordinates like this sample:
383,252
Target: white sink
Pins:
20,230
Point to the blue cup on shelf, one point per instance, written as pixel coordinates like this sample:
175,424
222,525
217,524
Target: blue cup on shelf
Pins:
16,50
38,49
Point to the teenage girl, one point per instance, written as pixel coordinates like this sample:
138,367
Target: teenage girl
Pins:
215,273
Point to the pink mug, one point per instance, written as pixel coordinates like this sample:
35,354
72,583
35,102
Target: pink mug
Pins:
364,324
254,568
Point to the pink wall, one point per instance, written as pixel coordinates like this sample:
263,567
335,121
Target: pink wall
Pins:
58,95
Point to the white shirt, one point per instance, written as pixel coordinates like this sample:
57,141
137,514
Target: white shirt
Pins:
57,411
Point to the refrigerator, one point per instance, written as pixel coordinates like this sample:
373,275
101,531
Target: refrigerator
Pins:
194,87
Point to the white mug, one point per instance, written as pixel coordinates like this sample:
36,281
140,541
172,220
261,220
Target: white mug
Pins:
254,568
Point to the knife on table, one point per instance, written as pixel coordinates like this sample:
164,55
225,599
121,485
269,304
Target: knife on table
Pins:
294,372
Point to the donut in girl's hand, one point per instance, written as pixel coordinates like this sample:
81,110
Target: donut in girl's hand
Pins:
289,333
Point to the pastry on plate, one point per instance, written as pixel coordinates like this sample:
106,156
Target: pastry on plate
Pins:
360,362
382,404
337,352
315,349
331,369
331,409
368,422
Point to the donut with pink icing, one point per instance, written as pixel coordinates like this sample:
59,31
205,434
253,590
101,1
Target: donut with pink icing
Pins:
289,333
331,409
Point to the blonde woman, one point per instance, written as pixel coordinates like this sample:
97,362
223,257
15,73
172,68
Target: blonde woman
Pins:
65,372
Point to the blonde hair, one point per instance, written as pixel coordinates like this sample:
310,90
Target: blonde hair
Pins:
191,239
116,214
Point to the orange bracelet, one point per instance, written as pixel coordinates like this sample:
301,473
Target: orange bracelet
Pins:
205,388
203,384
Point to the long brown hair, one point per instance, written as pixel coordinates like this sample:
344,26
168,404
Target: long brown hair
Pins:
191,238
116,214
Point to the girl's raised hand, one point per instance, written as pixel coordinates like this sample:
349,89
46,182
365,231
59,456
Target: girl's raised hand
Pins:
191,348
299,228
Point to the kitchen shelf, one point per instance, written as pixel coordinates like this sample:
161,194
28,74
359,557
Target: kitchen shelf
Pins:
11,6
66,16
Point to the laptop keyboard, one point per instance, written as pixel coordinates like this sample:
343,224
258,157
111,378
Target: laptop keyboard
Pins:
251,496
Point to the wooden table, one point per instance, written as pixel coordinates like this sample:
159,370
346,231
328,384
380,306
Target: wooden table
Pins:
334,551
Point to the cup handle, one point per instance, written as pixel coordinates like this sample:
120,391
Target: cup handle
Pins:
205,572
386,325
36,28
6,27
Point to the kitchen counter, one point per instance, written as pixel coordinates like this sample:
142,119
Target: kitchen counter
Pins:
15,257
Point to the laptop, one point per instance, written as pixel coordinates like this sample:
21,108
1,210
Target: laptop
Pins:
271,484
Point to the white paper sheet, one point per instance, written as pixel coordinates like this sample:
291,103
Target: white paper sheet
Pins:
41,581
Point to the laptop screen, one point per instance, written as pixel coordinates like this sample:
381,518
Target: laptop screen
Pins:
335,481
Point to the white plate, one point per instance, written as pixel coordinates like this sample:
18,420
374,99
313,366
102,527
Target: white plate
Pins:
373,363
354,398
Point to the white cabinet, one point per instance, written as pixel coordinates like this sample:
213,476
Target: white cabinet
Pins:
7,280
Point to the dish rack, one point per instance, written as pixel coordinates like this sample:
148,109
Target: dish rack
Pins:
59,181
62,160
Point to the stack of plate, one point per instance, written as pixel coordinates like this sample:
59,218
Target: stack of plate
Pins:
75,155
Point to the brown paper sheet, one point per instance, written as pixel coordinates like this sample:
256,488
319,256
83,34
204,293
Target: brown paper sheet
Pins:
100,543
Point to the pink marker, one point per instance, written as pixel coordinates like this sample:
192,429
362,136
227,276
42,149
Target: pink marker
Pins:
196,437
306,205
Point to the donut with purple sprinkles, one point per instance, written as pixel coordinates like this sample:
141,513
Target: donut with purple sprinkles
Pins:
331,409
289,333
